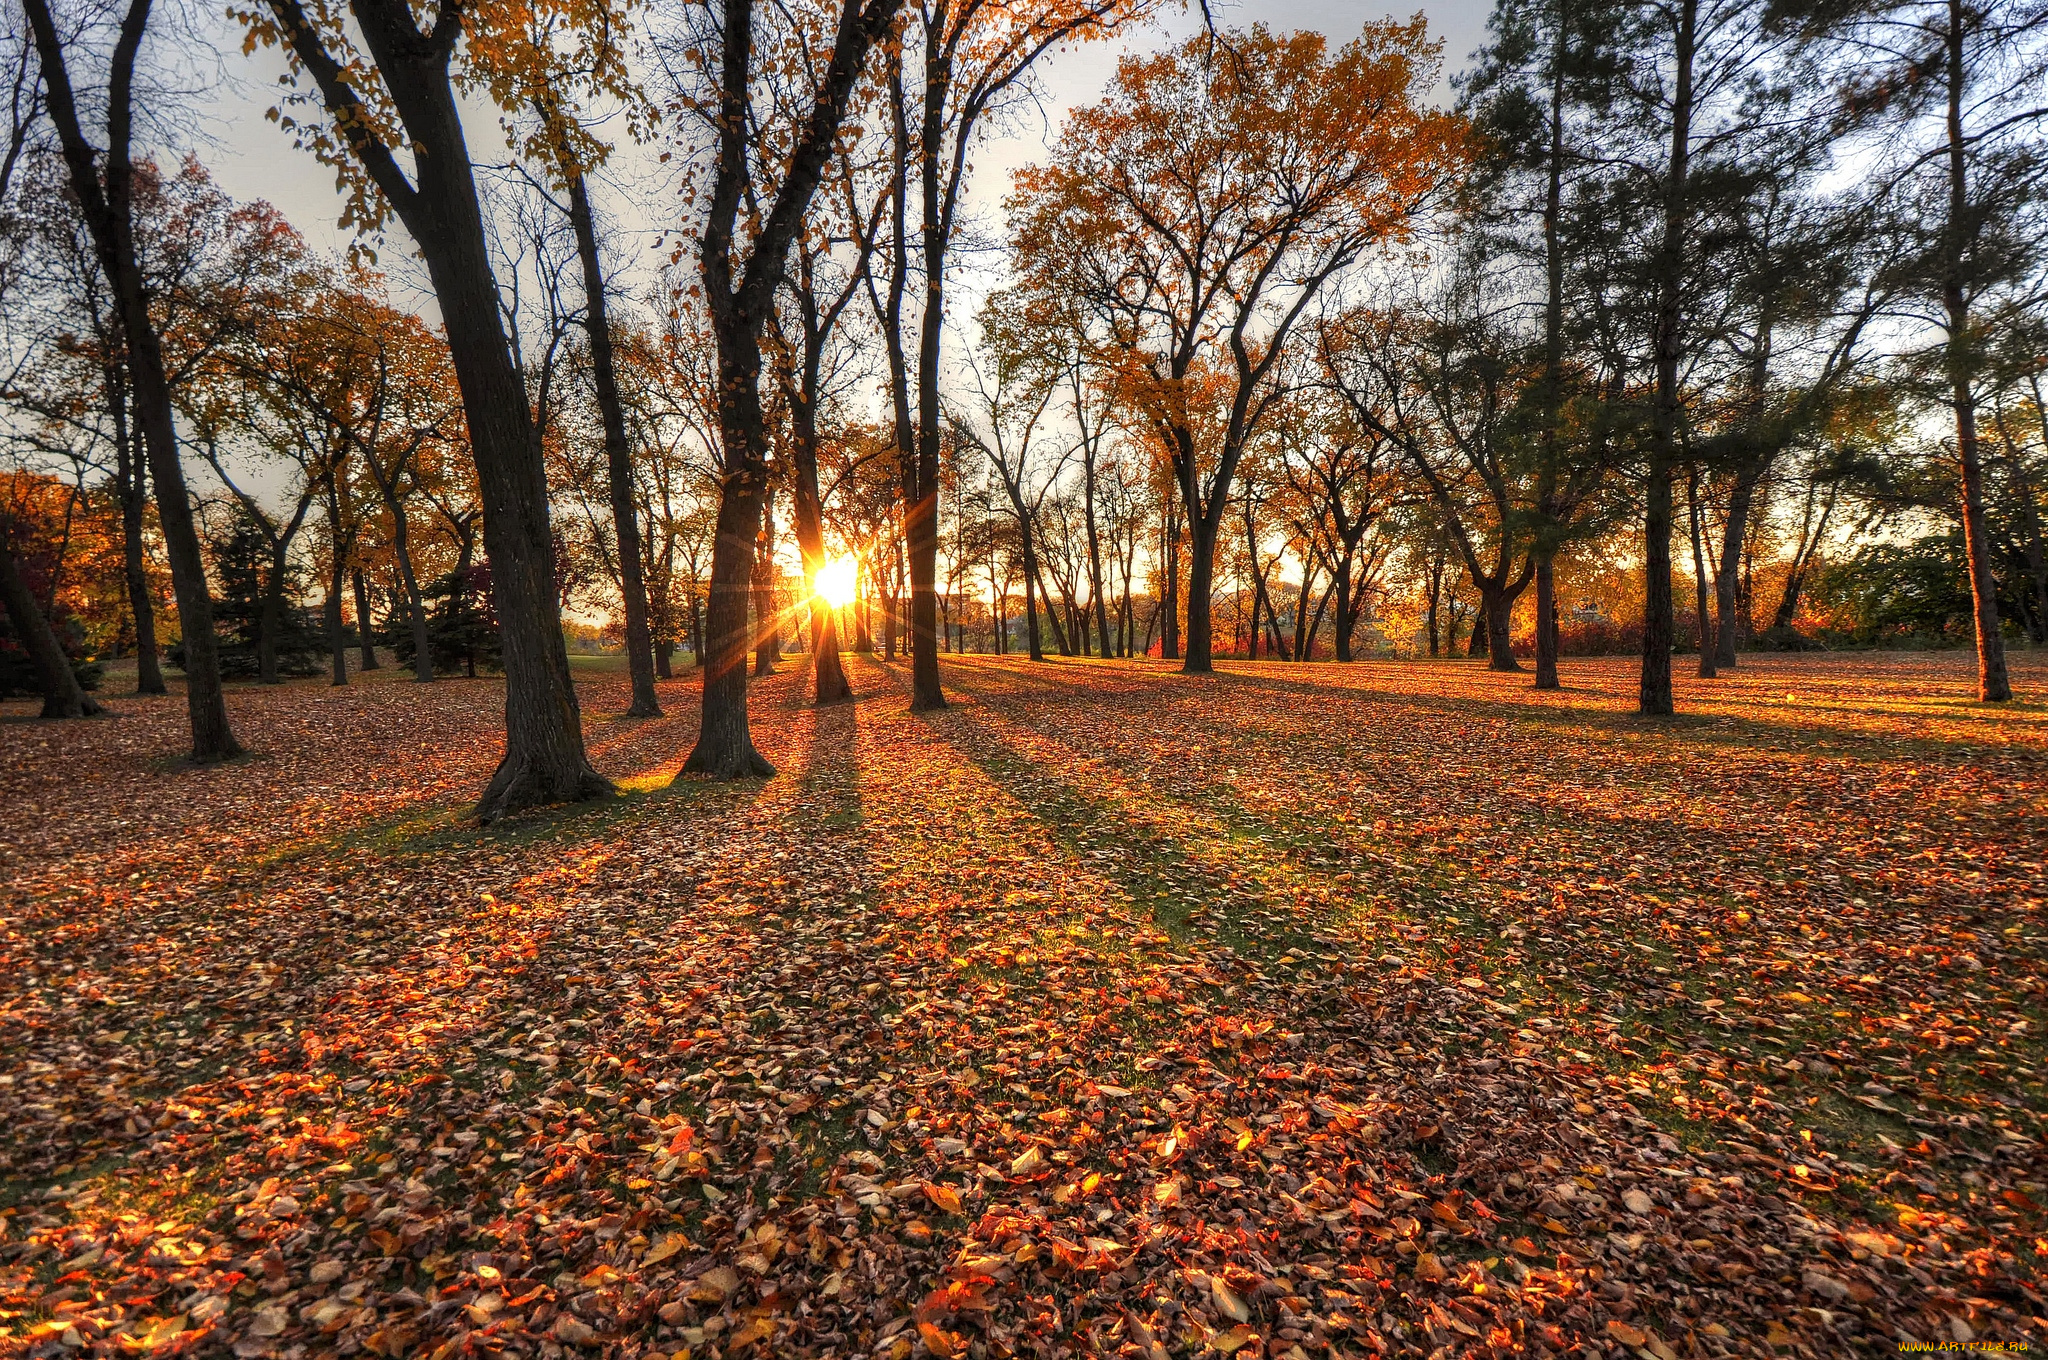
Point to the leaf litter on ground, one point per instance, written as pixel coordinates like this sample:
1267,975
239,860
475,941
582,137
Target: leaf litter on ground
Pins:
1304,1010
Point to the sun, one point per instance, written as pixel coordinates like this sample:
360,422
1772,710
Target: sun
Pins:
835,582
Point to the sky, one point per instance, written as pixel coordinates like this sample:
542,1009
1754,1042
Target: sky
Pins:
222,115
252,158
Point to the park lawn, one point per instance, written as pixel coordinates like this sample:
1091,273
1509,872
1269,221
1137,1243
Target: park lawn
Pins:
1326,1009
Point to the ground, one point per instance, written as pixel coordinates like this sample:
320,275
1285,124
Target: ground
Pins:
1298,1010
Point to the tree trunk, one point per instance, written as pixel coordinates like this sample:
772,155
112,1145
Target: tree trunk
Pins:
134,497
1168,613
1546,621
1346,620
415,599
767,622
1482,630
1993,684
1729,622
1654,691
363,634
1095,594
828,670
1699,577
618,451
337,641
62,695
725,742
1500,623
271,621
104,194
1201,588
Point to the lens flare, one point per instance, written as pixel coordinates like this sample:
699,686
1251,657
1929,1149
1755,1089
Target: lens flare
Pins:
835,583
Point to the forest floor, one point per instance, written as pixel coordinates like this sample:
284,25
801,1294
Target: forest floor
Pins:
1296,1011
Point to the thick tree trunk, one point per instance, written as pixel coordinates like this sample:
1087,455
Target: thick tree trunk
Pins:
544,760
618,452
725,741
1345,620
1036,648
1481,643
364,638
62,695
1546,621
104,193
1500,623
1201,591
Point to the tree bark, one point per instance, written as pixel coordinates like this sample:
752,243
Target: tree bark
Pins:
401,555
63,697
364,639
1546,621
1201,591
337,643
618,452
106,205
1500,623
273,617
828,670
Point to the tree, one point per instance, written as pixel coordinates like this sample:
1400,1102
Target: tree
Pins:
1440,383
61,680
1953,89
1200,209
571,148
103,181
739,273
1343,476
1014,387
1527,95
397,95
976,54
819,291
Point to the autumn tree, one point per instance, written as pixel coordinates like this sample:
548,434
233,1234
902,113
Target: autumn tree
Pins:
1202,206
392,99
741,264
103,181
